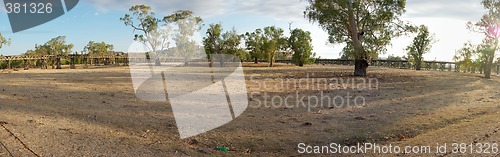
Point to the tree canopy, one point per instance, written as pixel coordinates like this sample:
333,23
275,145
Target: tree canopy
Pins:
186,24
360,24
489,25
55,46
98,48
152,31
300,42
4,41
421,44
273,40
253,43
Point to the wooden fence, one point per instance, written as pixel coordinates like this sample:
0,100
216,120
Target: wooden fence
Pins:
57,60
122,59
402,64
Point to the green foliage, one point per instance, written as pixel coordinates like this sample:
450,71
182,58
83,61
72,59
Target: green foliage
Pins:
253,43
186,25
464,56
229,42
98,48
147,22
421,44
213,41
4,41
300,42
488,25
365,26
55,46
151,31
273,41
394,58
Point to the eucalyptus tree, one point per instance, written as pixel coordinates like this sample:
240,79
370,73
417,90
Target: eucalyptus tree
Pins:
273,41
186,24
300,42
97,48
4,41
152,31
464,56
213,42
231,43
489,26
57,47
253,43
366,25
421,44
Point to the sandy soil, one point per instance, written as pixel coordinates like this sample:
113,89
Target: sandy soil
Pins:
94,112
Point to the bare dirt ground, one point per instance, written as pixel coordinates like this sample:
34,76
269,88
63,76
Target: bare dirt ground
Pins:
94,112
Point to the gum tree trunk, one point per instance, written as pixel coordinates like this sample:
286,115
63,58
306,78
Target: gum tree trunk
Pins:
489,61
419,65
360,66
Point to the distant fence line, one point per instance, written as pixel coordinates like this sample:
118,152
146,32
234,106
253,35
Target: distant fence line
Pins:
26,62
9,62
122,59
403,64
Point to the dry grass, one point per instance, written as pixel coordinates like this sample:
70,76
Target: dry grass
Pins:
94,112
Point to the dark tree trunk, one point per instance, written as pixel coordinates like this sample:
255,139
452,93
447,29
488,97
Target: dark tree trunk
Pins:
72,63
487,71
360,66
58,63
419,65
256,60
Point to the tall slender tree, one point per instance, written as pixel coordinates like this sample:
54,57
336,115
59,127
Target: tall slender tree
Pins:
273,41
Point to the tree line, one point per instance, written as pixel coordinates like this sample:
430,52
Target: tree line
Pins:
59,47
262,44
366,27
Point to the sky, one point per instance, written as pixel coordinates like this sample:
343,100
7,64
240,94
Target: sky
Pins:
98,20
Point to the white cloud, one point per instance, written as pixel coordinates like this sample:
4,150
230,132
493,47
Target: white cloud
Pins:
469,10
279,9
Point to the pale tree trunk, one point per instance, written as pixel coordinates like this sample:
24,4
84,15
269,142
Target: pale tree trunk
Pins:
157,61
489,62
360,62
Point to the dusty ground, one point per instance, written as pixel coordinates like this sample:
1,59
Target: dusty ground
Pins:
94,112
